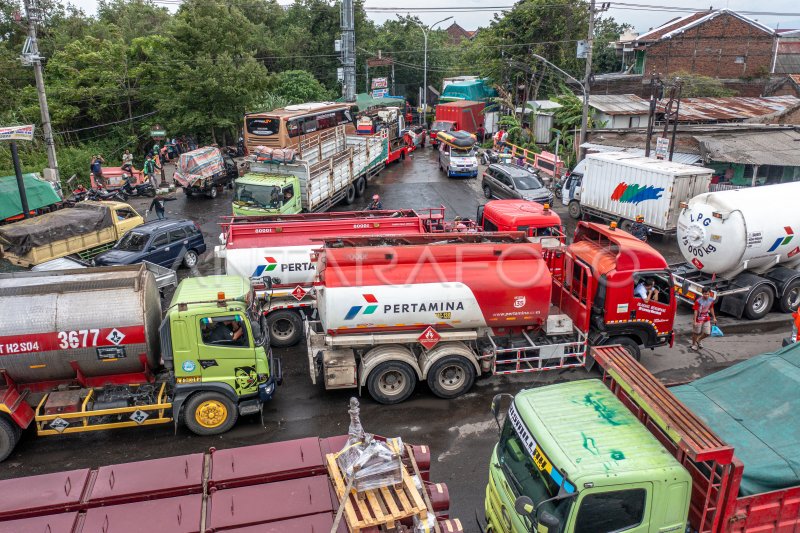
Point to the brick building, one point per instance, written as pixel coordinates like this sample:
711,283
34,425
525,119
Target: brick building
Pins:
721,44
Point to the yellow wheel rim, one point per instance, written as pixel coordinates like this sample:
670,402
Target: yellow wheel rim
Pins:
211,414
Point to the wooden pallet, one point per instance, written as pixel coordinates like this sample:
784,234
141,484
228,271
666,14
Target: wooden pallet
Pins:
377,507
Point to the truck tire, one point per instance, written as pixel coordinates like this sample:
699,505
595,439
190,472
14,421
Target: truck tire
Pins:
625,225
9,435
187,191
451,376
213,192
575,209
361,185
629,344
350,194
285,328
190,259
759,302
790,298
391,382
210,413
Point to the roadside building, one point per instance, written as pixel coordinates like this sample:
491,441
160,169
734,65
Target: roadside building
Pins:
619,110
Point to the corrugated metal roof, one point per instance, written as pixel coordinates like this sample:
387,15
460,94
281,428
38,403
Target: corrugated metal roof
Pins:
678,157
787,63
732,108
780,148
619,104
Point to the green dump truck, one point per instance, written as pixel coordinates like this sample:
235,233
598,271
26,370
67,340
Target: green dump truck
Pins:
105,357
626,454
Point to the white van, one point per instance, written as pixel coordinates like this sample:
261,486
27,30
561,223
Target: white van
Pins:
457,154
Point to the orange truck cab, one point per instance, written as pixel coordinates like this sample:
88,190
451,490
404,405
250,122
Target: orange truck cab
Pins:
540,223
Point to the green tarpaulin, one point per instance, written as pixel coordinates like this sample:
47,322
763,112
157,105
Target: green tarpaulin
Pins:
40,194
755,407
477,91
365,101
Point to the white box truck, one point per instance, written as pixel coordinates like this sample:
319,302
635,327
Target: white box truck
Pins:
618,187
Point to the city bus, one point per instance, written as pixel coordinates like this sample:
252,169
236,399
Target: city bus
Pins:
287,126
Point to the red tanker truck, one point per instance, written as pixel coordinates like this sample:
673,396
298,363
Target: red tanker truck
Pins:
447,308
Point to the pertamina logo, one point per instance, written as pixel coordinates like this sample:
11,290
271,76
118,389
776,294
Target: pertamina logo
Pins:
271,265
782,241
368,309
635,193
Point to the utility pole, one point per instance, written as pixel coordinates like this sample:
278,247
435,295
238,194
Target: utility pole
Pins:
587,76
30,56
425,30
656,93
348,24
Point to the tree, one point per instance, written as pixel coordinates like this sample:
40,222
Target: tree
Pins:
695,85
604,54
298,86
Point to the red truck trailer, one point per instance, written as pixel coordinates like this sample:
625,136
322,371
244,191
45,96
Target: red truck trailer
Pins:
464,115
282,487
447,308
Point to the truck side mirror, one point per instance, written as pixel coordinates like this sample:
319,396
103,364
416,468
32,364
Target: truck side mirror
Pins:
524,506
496,407
547,522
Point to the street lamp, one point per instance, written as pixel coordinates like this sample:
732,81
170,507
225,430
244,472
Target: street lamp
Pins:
425,30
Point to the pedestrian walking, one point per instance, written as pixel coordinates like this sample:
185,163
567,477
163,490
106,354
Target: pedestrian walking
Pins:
157,205
704,316
150,167
96,167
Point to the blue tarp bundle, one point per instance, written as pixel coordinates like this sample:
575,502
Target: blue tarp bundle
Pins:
755,407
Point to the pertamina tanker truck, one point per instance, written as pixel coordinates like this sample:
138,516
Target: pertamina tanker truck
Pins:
742,245
450,307
87,350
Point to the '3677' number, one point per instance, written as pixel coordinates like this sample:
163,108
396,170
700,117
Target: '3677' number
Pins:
77,339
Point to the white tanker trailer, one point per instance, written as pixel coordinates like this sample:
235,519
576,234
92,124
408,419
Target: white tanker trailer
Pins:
742,245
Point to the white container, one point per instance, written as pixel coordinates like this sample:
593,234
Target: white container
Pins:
727,232
620,186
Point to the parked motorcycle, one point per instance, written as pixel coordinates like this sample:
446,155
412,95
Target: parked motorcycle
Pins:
143,189
557,186
101,195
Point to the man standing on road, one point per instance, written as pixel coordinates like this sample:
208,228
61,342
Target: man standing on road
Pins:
703,318
158,205
376,204
150,170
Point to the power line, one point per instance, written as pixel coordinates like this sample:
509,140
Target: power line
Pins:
108,123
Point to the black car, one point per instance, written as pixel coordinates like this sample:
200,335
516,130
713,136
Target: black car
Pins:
505,181
166,243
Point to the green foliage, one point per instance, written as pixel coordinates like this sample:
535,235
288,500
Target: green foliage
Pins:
695,86
298,86
604,55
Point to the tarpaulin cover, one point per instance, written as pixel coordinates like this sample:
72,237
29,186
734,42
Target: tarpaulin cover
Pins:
755,407
18,238
38,191
198,164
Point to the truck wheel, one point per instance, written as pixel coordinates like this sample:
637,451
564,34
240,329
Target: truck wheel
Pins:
625,225
629,344
350,194
487,192
9,435
790,298
361,185
190,259
759,302
187,191
575,209
285,328
451,377
391,382
210,413
213,192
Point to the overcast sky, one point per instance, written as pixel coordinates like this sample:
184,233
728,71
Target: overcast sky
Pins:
642,20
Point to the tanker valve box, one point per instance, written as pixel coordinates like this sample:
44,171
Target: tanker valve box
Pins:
558,325
339,369
68,401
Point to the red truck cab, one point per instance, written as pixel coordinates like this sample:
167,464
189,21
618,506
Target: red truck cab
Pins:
594,282
539,222
463,115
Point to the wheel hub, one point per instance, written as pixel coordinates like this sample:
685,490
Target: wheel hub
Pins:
211,414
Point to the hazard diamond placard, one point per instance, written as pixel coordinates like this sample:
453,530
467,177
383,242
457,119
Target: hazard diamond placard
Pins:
429,338
299,293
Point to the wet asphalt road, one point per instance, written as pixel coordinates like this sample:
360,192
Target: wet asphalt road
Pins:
461,432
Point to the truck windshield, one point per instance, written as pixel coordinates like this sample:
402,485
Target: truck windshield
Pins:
266,196
526,478
442,126
132,242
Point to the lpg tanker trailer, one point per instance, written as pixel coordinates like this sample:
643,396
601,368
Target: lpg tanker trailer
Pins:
742,245
87,350
448,308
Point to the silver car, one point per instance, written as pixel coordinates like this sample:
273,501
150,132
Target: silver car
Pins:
504,181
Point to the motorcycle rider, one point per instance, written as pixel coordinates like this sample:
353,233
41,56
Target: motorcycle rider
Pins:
376,203
639,229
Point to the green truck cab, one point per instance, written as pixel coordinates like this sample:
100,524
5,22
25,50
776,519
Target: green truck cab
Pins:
267,194
219,353
583,469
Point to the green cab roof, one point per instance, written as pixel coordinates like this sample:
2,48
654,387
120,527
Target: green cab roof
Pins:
206,289
584,429
254,178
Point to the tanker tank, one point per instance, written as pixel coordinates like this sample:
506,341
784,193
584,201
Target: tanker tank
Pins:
727,232
98,320
447,286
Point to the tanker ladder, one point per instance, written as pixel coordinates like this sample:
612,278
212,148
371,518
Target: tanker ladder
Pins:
522,354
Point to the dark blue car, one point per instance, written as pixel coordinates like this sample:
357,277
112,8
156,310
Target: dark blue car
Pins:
164,242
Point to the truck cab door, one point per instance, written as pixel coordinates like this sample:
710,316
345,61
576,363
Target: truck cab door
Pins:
290,194
612,509
224,357
125,218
